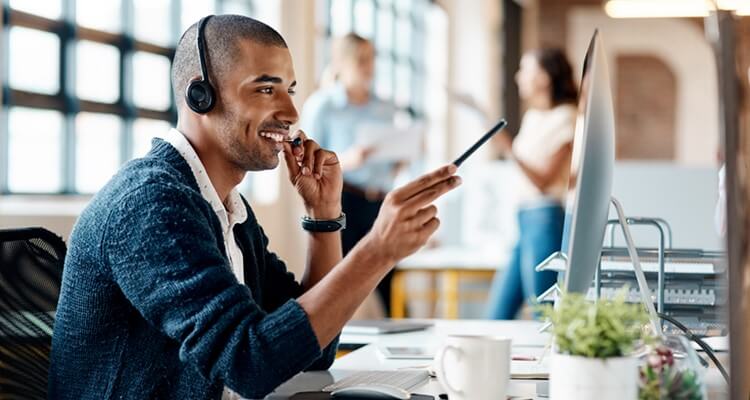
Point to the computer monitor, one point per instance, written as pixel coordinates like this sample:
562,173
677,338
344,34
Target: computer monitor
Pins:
591,168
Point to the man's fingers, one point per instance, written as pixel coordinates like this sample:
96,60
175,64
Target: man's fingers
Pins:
317,169
322,157
291,160
299,151
429,228
308,160
424,215
432,193
425,181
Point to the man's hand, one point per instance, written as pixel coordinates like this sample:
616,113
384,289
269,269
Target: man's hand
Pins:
316,174
407,218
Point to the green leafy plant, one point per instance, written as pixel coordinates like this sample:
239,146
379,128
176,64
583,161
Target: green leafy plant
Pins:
603,329
661,379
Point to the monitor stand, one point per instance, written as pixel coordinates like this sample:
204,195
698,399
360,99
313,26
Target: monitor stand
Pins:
646,297
553,263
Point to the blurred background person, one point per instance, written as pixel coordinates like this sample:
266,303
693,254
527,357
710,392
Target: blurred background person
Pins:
542,151
336,116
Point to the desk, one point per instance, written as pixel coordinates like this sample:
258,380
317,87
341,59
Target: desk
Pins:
523,333
451,264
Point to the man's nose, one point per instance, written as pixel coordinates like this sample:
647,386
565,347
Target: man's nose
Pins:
288,112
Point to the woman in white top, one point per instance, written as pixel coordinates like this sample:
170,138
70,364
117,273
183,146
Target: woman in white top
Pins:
542,151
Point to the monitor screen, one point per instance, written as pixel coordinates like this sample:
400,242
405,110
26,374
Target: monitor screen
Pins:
590,177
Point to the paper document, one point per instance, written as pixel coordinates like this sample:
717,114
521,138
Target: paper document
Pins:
529,369
390,143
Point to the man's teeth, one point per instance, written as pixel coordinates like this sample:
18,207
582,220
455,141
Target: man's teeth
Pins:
274,136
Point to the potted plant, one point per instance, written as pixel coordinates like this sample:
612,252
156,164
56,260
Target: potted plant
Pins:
665,377
593,343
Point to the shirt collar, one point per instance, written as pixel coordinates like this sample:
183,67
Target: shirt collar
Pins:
234,212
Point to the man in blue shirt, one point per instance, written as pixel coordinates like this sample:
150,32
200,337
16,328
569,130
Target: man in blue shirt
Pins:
169,290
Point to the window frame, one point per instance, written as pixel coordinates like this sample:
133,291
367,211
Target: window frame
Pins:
66,100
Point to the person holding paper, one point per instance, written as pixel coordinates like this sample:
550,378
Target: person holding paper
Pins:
542,151
345,117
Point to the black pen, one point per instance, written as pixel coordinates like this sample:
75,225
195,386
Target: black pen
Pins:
294,142
500,125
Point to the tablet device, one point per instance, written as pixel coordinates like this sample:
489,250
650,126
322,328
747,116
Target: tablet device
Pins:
407,352
381,326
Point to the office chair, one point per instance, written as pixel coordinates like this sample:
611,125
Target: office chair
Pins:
31,261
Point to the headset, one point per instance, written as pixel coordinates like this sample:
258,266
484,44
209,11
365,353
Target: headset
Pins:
200,96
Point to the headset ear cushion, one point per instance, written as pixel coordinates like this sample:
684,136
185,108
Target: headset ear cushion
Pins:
200,96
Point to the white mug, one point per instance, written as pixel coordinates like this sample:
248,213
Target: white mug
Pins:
474,367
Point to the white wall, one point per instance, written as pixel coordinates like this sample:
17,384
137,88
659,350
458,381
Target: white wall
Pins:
474,70
681,46
685,196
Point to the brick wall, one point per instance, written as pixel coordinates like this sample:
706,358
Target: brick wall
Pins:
645,83
550,23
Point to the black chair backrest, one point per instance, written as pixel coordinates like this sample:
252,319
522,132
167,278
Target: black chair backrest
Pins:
31,265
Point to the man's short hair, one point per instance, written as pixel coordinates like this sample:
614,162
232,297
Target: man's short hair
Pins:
222,35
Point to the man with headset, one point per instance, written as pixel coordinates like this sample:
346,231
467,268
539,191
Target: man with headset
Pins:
169,290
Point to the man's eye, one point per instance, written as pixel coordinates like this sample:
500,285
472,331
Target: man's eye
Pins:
292,92
266,90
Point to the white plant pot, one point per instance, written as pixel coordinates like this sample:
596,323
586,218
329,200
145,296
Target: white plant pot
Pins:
582,378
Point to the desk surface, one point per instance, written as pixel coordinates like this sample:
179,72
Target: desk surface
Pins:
453,257
524,334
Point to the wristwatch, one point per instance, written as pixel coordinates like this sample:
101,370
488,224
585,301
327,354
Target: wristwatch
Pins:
324,225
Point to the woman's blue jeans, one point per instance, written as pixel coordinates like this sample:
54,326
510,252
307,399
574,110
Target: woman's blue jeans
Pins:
540,234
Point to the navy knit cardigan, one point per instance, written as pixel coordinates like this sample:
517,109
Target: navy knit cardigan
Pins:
150,309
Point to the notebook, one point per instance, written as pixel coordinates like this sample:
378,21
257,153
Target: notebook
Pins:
382,326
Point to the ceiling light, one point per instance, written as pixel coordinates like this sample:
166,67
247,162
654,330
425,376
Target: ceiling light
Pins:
672,8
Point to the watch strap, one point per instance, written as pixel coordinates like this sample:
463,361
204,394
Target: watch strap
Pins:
324,225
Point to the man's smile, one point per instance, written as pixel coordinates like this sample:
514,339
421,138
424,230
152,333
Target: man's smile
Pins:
277,136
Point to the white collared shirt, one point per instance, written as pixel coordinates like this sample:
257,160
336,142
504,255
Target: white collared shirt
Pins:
229,214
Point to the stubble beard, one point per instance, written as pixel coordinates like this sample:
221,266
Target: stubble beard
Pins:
245,149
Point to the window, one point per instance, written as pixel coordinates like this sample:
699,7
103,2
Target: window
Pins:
27,128
86,86
34,66
97,72
397,29
149,90
98,137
